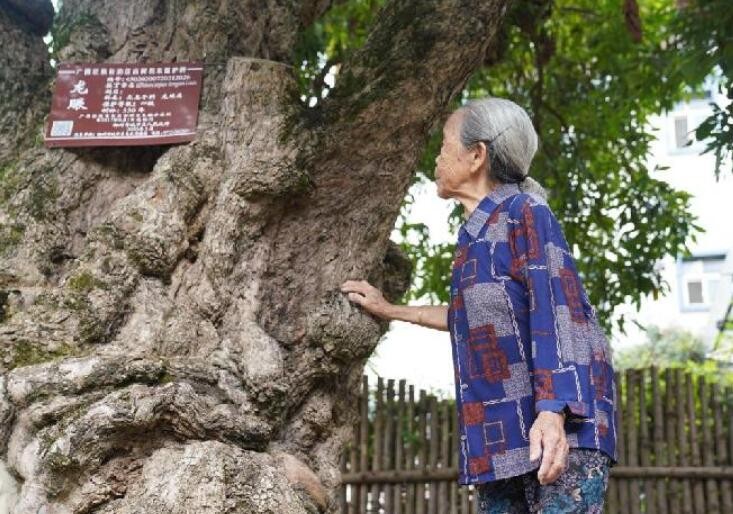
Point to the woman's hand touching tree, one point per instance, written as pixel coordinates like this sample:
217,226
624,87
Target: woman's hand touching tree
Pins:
371,298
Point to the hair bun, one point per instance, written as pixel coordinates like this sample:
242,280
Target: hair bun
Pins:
531,186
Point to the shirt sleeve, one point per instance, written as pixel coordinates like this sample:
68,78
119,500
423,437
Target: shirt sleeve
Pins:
556,300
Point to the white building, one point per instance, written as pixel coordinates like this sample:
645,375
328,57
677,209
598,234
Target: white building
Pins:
700,286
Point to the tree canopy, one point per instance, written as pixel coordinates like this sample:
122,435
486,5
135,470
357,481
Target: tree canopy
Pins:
591,74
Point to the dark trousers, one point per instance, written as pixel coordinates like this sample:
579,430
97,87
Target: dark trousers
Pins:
581,488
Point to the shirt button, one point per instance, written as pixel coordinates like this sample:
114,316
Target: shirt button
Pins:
463,437
464,386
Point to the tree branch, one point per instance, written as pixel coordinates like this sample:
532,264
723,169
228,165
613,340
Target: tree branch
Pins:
416,59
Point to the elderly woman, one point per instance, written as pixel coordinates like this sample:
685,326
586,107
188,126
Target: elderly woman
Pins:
535,390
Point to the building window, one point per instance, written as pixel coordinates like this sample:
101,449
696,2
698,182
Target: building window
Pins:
694,292
697,291
699,279
681,135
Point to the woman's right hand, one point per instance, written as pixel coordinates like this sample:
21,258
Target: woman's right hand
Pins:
369,297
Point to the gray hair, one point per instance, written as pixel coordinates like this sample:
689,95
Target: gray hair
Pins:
510,138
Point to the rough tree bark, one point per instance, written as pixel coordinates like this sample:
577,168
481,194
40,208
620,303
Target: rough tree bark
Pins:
172,334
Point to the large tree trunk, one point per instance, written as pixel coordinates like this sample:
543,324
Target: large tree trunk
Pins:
173,338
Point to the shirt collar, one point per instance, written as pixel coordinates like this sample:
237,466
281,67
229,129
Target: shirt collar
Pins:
486,206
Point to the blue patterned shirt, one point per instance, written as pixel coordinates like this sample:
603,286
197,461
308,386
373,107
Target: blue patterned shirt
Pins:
524,337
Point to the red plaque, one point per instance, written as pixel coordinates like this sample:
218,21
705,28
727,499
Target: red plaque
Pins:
124,104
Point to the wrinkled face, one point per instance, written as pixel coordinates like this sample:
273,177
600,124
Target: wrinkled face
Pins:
454,164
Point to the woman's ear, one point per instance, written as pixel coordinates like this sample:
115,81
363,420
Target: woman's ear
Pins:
479,156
